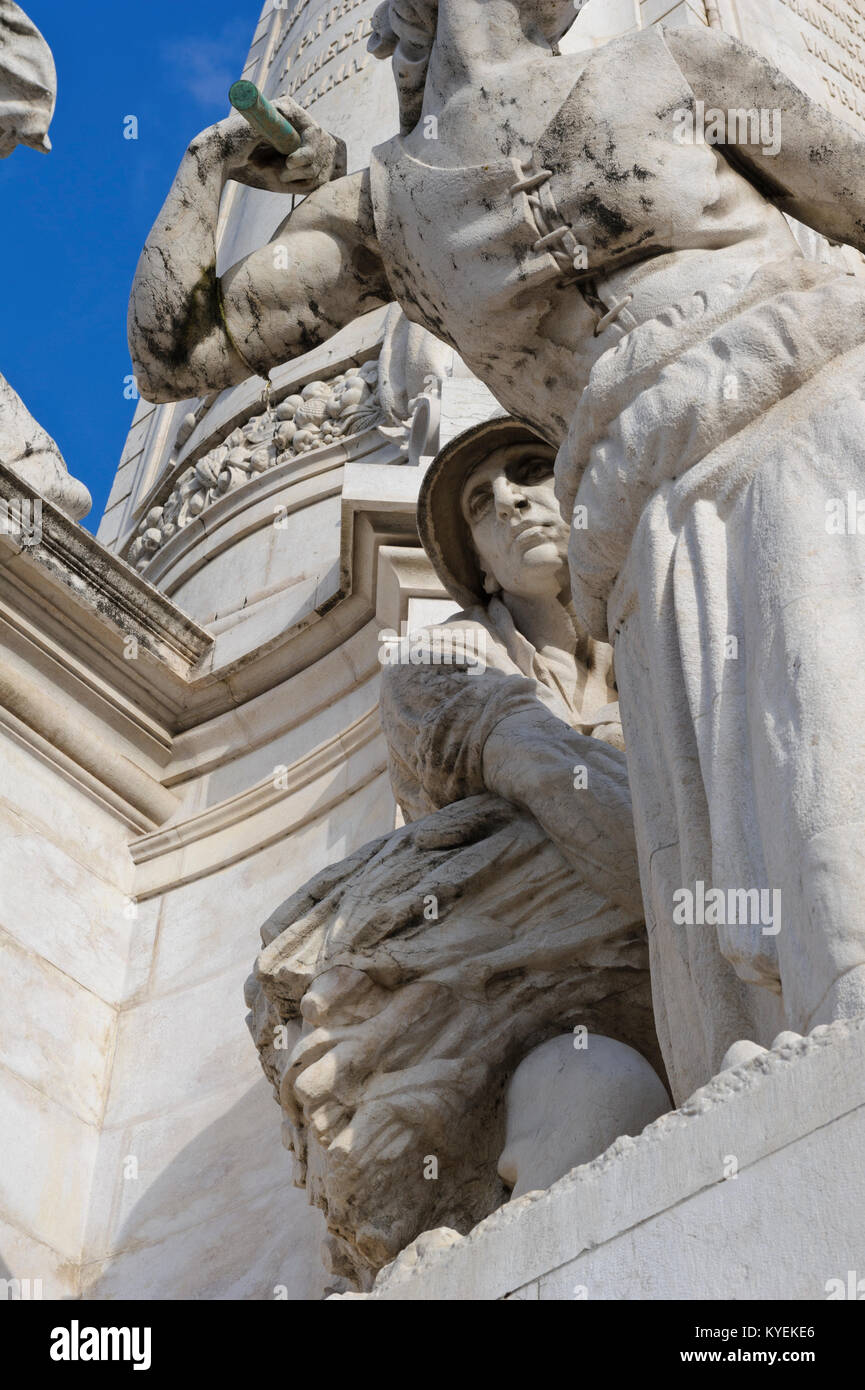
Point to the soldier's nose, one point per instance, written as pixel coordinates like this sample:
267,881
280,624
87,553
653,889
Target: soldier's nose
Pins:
508,498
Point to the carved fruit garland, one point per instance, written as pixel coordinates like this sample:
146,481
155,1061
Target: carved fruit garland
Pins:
323,412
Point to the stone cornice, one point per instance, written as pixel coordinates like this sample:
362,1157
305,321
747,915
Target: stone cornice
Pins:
93,578
292,427
233,409
292,472
109,720
267,812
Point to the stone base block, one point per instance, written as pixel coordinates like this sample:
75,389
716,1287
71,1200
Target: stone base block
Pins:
754,1189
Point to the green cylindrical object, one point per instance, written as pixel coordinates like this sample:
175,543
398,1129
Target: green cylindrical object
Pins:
264,118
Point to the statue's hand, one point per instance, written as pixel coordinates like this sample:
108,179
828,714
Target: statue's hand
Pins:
250,160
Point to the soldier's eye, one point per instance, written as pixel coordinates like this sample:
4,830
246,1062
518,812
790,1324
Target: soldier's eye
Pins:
479,501
531,470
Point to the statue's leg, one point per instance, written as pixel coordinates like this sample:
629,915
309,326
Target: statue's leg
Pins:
741,668
803,586
669,655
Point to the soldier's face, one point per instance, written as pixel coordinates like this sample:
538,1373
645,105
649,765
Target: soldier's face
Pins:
509,504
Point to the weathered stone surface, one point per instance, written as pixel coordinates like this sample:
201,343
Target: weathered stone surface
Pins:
28,82
29,451
399,990
753,1189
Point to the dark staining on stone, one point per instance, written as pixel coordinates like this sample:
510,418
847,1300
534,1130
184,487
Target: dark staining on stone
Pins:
511,138
190,326
682,103
611,220
523,254
202,167
366,263
307,339
433,322
604,162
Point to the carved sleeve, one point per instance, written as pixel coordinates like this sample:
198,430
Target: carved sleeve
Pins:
812,164
437,721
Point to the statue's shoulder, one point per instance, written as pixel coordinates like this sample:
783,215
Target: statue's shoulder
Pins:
630,57
639,64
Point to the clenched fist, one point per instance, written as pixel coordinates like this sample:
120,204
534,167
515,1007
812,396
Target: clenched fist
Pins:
248,159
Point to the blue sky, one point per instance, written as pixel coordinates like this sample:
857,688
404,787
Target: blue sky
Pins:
75,219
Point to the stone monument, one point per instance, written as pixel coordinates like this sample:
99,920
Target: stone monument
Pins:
190,707
623,278
422,971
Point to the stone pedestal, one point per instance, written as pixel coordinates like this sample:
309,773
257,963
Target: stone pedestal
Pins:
754,1189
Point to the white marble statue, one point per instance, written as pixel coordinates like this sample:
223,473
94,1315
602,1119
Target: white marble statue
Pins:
398,991
28,86
625,279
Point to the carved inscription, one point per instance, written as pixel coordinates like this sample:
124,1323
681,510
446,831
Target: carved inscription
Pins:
833,33
311,56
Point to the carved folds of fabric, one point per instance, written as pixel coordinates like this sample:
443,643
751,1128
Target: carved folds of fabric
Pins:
409,981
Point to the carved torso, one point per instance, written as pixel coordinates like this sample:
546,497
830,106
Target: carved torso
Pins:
468,250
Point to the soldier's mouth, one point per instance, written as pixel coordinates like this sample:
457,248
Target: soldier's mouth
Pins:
531,533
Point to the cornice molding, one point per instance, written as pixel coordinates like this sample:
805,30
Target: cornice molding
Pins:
289,428
259,816
93,577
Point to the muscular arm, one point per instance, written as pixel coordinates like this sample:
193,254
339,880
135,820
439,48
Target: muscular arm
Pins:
818,175
530,758
320,271
453,734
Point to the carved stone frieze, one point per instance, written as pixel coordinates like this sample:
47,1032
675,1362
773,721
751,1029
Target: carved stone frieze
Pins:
322,413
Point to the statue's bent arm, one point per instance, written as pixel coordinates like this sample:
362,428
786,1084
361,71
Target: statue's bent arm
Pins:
814,165
321,271
531,758
189,333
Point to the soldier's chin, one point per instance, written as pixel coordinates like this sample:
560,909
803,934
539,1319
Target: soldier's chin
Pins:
540,553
